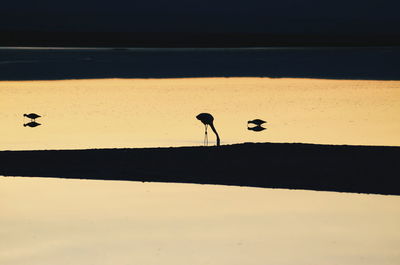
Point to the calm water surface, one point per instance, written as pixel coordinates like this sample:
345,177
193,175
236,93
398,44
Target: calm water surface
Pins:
59,221
108,113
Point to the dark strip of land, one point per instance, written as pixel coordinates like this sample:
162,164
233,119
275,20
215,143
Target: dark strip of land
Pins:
361,169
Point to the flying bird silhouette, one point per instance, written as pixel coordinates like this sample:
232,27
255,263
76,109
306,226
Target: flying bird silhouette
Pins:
208,120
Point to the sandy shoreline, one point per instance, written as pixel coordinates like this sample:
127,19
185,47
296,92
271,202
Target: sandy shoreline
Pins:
361,169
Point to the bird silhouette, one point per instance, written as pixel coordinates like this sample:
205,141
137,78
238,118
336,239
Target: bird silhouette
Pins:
32,124
208,120
257,122
256,128
32,116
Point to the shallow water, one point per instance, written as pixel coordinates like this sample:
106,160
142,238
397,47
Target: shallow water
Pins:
98,110
60,221
108,113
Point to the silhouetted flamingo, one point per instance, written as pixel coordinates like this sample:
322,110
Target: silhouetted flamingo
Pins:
208,119
257,122
32,116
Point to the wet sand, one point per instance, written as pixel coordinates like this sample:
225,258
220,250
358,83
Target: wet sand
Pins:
343,168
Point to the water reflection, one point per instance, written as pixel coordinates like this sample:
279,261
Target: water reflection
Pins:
59,221
32,124
111,113
256,128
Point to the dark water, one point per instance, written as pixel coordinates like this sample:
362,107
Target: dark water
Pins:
380,63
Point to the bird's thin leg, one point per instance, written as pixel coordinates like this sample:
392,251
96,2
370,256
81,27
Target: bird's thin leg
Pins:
206,136
205,133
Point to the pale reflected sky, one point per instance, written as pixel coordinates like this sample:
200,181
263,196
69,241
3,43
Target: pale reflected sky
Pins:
161,112
59,221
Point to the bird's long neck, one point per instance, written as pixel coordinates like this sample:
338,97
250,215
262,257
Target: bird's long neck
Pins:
215,131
